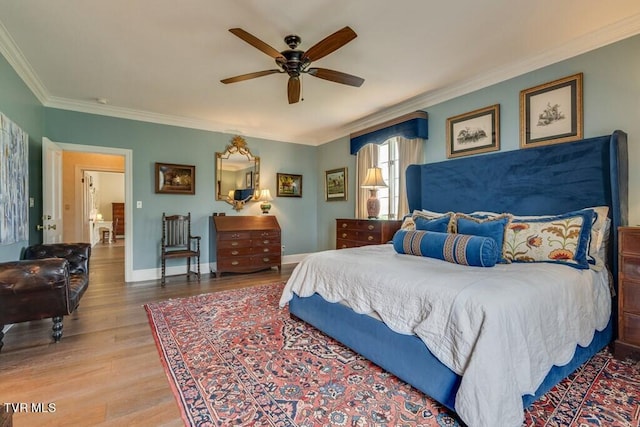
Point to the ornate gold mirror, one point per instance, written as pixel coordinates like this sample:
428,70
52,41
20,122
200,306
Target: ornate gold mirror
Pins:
237,174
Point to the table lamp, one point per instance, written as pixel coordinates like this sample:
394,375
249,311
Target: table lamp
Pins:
373,181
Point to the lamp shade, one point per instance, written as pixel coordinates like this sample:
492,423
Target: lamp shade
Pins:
374,179
265,195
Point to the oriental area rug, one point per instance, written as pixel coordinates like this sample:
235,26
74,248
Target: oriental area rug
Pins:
236,358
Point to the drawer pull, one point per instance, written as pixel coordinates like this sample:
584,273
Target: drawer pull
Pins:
234,252
235,236
371,227
266,242
370,238
265,250
234,243
344,225
343,246
344,235
235,262
266,259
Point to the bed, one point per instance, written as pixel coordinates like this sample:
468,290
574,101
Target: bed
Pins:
553,179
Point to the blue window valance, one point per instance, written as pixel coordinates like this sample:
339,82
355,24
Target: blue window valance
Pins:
410,126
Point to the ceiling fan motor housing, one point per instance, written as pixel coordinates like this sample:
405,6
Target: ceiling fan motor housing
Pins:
294,62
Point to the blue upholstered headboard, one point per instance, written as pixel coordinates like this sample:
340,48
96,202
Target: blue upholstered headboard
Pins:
544,180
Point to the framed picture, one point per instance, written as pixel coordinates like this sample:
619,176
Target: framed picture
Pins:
475,132
551,113
175,179
289,185
335,184
248,180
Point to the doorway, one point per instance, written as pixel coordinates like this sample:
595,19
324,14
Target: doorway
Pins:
101,205
74,207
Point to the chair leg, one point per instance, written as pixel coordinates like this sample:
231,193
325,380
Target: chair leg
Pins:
163,272
188,268
198,266
57,328
1,336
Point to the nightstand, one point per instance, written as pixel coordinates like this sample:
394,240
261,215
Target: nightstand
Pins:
351,233
628,342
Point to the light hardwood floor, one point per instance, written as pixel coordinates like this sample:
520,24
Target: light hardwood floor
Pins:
106,369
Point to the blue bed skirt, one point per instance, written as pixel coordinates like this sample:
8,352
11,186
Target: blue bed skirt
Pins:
406,356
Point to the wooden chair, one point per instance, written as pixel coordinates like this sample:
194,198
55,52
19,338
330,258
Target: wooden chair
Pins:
177,242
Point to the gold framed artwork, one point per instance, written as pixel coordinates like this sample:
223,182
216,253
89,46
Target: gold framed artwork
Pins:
474,132
289,185
335,184
551,113
175,179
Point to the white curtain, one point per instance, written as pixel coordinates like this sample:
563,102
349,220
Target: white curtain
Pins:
366,158
410,151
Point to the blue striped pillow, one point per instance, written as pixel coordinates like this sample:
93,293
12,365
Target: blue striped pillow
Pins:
461,249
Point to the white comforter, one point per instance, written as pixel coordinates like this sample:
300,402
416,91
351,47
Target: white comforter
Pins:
501,328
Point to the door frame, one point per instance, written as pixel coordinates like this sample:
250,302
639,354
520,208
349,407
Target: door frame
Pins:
128,195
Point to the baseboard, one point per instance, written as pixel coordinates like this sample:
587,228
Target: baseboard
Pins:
205,268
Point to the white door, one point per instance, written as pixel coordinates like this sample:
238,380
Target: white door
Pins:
51,191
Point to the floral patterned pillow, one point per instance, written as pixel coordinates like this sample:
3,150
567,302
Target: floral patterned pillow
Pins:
562,239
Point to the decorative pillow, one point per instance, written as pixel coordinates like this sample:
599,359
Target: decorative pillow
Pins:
440,225
456,248
562,239
408,223
433,221
597,243
493,227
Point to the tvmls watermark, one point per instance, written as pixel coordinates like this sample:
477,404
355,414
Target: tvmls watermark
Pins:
30,407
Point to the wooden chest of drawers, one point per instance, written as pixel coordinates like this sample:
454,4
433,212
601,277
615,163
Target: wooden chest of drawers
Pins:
351,233
117,215
628,342
245,244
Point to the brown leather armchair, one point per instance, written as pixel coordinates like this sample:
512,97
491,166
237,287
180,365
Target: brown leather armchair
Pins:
48,282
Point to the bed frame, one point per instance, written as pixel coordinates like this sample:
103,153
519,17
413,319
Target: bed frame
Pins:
551,179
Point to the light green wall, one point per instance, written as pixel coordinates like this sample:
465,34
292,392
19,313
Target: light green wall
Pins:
611,101
19,104
152,143
611,89
334,155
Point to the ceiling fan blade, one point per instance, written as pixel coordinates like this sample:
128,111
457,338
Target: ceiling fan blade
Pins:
256,42
293,90
336,76
249,76
329,44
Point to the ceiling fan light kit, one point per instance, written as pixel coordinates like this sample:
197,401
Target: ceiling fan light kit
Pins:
295,62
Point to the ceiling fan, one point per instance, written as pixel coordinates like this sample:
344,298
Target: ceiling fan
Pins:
295,62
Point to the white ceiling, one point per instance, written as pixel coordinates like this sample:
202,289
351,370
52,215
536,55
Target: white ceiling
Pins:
162,60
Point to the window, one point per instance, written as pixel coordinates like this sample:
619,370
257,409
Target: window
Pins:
388,162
